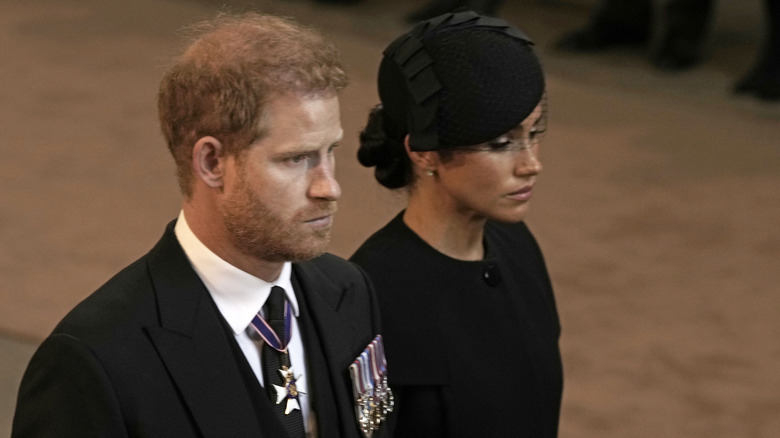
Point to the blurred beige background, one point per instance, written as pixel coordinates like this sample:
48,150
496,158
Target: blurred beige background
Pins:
658,209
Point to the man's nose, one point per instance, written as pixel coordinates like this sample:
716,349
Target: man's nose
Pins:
324,184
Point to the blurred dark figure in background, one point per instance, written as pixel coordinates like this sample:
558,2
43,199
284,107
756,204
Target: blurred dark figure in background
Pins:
467,306
437,7
675,31
763,80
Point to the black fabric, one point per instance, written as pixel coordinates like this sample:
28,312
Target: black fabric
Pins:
478,351
274,361
323,402
259,397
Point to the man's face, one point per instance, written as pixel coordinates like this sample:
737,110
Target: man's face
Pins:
281,193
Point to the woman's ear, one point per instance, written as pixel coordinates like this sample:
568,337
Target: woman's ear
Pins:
425,161
208,161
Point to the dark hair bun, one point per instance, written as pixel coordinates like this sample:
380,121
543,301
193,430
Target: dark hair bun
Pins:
393,167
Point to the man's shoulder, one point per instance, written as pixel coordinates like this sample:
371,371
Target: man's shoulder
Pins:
130,299
126,301
118,302
330,266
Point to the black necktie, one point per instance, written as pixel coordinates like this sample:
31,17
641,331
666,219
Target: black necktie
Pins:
275,362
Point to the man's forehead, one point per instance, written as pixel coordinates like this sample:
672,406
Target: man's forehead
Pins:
308,121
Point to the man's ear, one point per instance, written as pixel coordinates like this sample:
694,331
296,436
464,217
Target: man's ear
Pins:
208,161
426,161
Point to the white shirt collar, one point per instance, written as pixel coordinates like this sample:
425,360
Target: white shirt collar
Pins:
238,294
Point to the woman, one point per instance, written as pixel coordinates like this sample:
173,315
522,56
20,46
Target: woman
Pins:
469,320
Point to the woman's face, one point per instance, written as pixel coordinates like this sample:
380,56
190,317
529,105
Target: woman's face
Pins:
494,180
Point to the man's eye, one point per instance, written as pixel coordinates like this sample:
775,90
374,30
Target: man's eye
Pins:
297,158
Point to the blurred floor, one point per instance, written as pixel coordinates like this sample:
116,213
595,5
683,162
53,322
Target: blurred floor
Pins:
657,210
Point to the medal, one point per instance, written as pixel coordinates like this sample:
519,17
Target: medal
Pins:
289,391
276,333
373,398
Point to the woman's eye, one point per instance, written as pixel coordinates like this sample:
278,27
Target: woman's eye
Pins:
499,144
536,133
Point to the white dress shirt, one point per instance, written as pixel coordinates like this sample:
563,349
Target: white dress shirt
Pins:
239,296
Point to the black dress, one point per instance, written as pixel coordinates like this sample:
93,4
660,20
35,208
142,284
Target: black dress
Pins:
472,346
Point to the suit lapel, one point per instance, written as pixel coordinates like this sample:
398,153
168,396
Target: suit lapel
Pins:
329,337
194,346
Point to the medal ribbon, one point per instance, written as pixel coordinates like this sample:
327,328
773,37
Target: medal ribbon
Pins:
267,333
376,375
365,377
380,351
355,373
369,369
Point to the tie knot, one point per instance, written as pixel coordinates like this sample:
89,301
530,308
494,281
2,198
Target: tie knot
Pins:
272,325
274,306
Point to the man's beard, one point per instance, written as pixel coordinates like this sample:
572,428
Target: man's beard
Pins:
257,231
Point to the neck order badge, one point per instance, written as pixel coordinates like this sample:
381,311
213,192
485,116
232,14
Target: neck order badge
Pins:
276,331
373,398
289,391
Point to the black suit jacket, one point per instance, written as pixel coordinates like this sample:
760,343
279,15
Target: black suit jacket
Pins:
147,355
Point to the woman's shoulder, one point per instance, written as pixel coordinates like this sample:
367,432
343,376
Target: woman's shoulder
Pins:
514,243
386,245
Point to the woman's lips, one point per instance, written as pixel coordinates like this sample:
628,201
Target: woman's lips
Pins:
523,194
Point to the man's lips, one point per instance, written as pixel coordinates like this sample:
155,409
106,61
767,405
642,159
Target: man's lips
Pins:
323,221
324,218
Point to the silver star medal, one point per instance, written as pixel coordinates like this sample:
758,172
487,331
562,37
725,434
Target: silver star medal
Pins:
289,391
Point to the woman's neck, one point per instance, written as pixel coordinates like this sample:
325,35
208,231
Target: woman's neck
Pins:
454,233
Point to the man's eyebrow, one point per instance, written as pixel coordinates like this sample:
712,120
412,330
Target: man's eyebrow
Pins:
307,149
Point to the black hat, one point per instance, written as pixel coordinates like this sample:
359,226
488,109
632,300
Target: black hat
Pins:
459,79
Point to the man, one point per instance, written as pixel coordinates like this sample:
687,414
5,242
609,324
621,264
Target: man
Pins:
176,345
